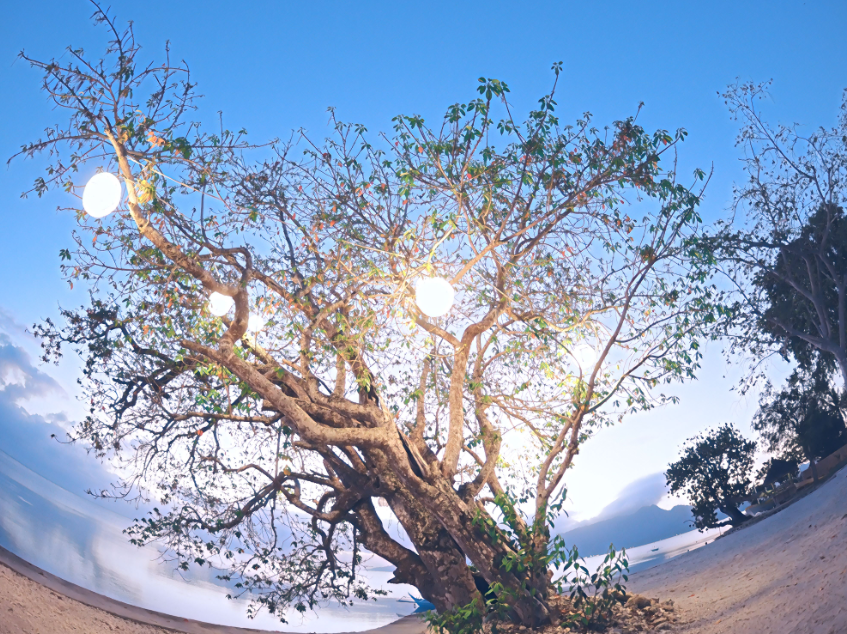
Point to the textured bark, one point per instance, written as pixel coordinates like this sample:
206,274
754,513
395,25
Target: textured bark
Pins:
442,528
410,567
453,584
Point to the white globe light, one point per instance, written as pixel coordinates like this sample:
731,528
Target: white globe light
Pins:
434,296
255,323
102,195
585,355
219,304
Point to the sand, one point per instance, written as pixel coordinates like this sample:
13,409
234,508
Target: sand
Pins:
785,574
33,601
26,606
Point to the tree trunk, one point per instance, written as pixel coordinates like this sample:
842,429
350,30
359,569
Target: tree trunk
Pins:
439,542
736,517
445,535
842,365
487,555
813,465
454,585
449,582
436,567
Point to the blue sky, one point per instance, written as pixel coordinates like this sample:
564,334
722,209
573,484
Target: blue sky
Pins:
273,67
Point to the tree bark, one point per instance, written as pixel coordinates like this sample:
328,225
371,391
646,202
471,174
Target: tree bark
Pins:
736,517
842,365
453,583
812,463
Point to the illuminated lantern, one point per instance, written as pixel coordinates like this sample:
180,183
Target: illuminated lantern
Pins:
102,195
255,323
585,355
219,304
434,296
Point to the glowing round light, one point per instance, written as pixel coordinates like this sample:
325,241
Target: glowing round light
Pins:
255,323
102,195
585,355
219,304
434,296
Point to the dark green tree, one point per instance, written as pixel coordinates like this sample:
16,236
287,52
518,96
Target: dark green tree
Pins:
804,292
804,420
714,474
777,470
784,249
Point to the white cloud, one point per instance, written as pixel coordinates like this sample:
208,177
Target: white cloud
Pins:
643,492
38,439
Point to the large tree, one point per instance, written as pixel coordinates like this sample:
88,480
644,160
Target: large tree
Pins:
568,247
784,249
803,420
713,472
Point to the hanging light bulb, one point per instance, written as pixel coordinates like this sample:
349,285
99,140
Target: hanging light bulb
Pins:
220,304
585,355
434,296
255,323
102,195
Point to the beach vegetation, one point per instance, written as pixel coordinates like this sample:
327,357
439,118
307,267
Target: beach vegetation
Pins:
284,434
803,421
714,473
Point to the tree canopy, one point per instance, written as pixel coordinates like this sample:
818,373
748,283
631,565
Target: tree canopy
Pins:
570,248
784,249
713,472
805,419
777,470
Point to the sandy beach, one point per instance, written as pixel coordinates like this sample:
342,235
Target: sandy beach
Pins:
32,608
785,574
36,602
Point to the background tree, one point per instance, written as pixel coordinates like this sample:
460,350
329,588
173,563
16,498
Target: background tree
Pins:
803,421
714,474
777,470
267,435
785,247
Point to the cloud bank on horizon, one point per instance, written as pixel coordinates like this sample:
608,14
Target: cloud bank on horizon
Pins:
38,440
649,490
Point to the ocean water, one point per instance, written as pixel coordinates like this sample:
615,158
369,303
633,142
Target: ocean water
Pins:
80,541
649,555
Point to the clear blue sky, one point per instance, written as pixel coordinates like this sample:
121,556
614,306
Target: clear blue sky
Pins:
275,66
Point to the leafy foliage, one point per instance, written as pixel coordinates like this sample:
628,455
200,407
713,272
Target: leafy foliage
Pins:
804,420
267,449
714,474
784,250
593,594
777,470
802,296
466,619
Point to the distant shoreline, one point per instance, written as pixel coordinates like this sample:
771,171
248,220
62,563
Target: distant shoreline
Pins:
92,602
786,573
